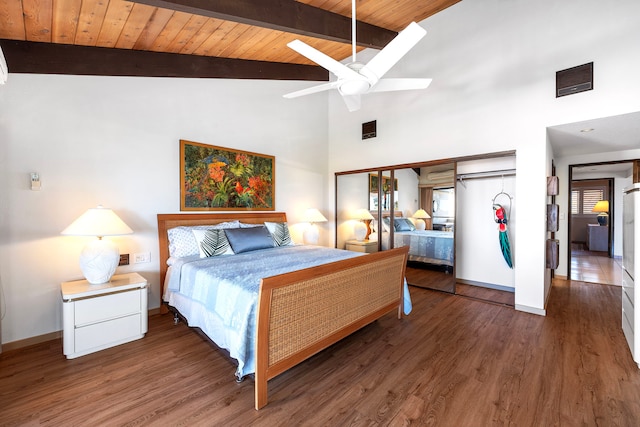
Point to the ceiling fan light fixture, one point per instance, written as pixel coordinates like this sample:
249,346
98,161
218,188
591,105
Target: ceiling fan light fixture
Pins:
354,87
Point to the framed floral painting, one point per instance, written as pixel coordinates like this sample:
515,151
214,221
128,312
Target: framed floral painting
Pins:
218,178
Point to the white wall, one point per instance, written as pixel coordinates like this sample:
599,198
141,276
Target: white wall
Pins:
115,141
493,63
478,254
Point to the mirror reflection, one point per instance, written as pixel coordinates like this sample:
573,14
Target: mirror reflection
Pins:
412,207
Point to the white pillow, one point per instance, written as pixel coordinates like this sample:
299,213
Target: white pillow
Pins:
182,242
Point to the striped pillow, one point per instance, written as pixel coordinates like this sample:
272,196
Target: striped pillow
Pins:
212,242
280,233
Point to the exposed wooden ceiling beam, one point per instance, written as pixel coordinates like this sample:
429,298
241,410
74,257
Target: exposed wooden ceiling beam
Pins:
48,58
284,15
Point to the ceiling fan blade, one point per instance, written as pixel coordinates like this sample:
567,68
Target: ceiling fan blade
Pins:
387,85
325,61
396,49
312,89
352,102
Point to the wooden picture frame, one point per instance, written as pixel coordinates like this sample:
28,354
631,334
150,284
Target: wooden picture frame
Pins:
386,187
215,178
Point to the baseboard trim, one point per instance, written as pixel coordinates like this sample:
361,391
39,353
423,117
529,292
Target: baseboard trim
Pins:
532,310
15,345
486,285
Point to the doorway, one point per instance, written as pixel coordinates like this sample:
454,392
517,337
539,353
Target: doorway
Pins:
595,240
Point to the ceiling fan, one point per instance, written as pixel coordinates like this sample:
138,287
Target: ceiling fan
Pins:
355,78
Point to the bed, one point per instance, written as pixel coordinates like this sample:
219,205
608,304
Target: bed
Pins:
292,312
425,246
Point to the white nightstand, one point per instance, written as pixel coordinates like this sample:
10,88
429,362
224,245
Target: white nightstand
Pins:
96,317
366,246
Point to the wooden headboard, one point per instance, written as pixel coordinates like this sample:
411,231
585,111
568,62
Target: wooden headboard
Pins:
167,221
396,214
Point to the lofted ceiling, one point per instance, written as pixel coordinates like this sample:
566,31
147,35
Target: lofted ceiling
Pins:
195,38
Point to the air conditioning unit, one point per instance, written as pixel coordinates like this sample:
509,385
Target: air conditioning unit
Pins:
4,70
441,176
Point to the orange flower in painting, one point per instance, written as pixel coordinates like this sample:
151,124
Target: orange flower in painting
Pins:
239,188
243,159
215,171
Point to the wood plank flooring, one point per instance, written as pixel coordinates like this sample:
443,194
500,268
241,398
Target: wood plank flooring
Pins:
454,361
442,281
594,267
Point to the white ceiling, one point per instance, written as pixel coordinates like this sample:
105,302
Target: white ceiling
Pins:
616,133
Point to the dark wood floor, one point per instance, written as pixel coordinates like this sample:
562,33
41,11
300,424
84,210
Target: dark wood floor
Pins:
437,279
454,361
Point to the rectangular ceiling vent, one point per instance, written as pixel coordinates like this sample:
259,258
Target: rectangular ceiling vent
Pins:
369,130
574,80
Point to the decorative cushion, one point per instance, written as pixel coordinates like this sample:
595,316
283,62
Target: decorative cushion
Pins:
182,242
280,233
249,239
212,242
386,223
403,224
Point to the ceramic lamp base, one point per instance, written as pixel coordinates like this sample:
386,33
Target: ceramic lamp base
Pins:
98,261
602,218
360,231
311,235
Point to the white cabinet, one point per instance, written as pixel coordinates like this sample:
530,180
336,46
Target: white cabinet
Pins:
96,317
630,258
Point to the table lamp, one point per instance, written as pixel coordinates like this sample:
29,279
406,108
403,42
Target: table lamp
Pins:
420,216
99,258
362,229
311,233
602,207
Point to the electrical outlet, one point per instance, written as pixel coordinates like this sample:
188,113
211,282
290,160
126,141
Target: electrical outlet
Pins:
142,257
124,259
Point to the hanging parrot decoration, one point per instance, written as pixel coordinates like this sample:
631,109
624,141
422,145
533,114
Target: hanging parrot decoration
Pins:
501,218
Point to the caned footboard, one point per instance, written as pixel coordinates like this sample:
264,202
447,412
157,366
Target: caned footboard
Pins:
306,311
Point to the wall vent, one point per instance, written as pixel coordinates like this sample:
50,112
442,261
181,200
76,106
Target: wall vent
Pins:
369,130
574,80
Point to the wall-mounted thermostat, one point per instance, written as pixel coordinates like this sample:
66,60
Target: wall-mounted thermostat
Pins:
35,181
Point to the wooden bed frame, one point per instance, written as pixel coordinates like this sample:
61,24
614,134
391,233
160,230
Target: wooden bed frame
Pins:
305,311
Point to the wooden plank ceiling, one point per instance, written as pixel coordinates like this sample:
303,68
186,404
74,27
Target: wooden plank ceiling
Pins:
195,38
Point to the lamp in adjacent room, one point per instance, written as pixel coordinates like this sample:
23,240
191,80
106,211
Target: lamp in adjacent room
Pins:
362,228
99,258
420,216
311,233
602,207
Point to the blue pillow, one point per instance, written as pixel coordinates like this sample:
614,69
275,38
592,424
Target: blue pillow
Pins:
403,224
249,239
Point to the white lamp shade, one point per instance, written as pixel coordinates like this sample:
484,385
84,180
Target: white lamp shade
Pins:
362,214
313,215
99,258
97,222
421,214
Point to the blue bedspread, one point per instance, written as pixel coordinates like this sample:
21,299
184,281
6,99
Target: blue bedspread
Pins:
219,294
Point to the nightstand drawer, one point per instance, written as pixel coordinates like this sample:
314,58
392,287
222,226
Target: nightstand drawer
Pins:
106,334
92,310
